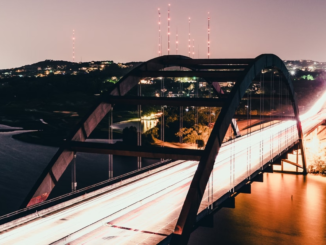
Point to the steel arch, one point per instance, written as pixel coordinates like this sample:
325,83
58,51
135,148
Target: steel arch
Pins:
81,132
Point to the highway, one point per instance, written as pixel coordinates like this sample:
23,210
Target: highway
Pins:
145,211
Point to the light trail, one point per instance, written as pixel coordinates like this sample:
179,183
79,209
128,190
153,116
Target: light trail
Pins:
154,202
315,108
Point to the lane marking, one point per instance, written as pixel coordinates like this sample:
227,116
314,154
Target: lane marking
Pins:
130,229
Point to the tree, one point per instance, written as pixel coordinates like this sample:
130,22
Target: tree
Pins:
200,143
197,134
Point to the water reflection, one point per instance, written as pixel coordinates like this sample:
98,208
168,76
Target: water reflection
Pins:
146,124
284,209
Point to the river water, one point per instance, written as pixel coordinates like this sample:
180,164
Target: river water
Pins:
269,215
284,209
22,163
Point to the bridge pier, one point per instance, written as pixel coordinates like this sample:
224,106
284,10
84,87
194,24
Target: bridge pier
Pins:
259,177
246,189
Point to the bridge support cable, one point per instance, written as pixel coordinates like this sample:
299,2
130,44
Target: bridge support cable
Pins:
261,111
139,128
250,113
271,107
162,117
212,190
211,201
263,132
281,109
73,173
248,121
286,129
210,109
196,96
110,136
181,114
232,165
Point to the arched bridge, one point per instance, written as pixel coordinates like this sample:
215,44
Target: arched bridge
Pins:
199,181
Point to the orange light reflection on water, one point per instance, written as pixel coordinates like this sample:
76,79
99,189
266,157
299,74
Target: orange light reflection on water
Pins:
270,216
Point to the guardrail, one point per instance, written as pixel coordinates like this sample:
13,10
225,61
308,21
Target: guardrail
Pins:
148,170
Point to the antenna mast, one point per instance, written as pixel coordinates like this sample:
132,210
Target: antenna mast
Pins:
193,48
73,45
208,34
169,29
159,34
189,41
177,43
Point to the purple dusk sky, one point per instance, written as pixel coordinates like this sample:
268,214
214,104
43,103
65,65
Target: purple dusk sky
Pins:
127,30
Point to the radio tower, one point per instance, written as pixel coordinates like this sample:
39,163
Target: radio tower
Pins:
189,41
208,33
73,45
159,34
169,29
193,48
176,43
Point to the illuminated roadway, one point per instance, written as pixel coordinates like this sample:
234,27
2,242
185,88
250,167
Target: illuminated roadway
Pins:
145,211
